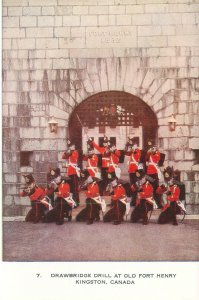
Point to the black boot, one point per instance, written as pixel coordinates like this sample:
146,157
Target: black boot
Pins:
116,222
89,222
175,222
60,222
145,220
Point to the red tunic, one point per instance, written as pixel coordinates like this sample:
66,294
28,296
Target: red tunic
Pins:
91,164
134,160
133,188
105,157
114,160
153,160
147,191
72,160
119,193
175,193
39,194
161,190
92,190
63,190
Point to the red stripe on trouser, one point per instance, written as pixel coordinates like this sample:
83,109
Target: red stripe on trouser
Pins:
75,189
75,186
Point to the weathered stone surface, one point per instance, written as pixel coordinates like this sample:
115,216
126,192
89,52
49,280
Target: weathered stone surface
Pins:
10,22
71,21
153,41
39,32
104,20
183,40
21,200
8,200
22,122
179,155
10,178
32,11
9,189
48,11
111,37
194,143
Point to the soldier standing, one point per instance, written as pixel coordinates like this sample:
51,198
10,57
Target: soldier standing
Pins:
105,151
153,158
114,170
133,151
92,160
73,171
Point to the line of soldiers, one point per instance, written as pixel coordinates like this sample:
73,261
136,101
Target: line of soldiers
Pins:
102,177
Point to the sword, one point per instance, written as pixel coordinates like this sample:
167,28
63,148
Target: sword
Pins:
82,125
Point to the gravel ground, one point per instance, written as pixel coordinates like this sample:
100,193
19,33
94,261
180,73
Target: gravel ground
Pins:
100,241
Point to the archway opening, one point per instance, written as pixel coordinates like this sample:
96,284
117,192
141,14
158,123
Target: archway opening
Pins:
115,114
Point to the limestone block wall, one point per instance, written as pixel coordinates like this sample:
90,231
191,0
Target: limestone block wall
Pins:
56,53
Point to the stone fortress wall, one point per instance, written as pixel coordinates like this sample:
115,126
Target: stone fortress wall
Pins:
56,53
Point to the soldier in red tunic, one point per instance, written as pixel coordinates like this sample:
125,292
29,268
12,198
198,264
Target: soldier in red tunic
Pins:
114,170
153,158
36,195
144,201
105,151
53,180
63,204
118,204
92,160
174,190
170,210
93,207
73,171
134,153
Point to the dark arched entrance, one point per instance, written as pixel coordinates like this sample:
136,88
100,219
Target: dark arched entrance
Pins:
112,109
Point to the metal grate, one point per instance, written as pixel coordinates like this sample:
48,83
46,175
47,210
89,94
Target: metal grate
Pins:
112,108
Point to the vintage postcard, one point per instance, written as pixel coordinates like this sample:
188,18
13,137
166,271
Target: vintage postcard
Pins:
100,149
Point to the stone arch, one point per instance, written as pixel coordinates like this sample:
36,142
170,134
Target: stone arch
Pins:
89,114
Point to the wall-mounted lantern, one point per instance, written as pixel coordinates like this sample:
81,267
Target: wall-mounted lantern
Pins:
172,123
53,124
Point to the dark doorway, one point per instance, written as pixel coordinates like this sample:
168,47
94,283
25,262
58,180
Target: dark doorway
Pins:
112,109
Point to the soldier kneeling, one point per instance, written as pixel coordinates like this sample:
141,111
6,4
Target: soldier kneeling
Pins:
63,204
36,194
174,190
171,209
94,203
144,201
118,203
